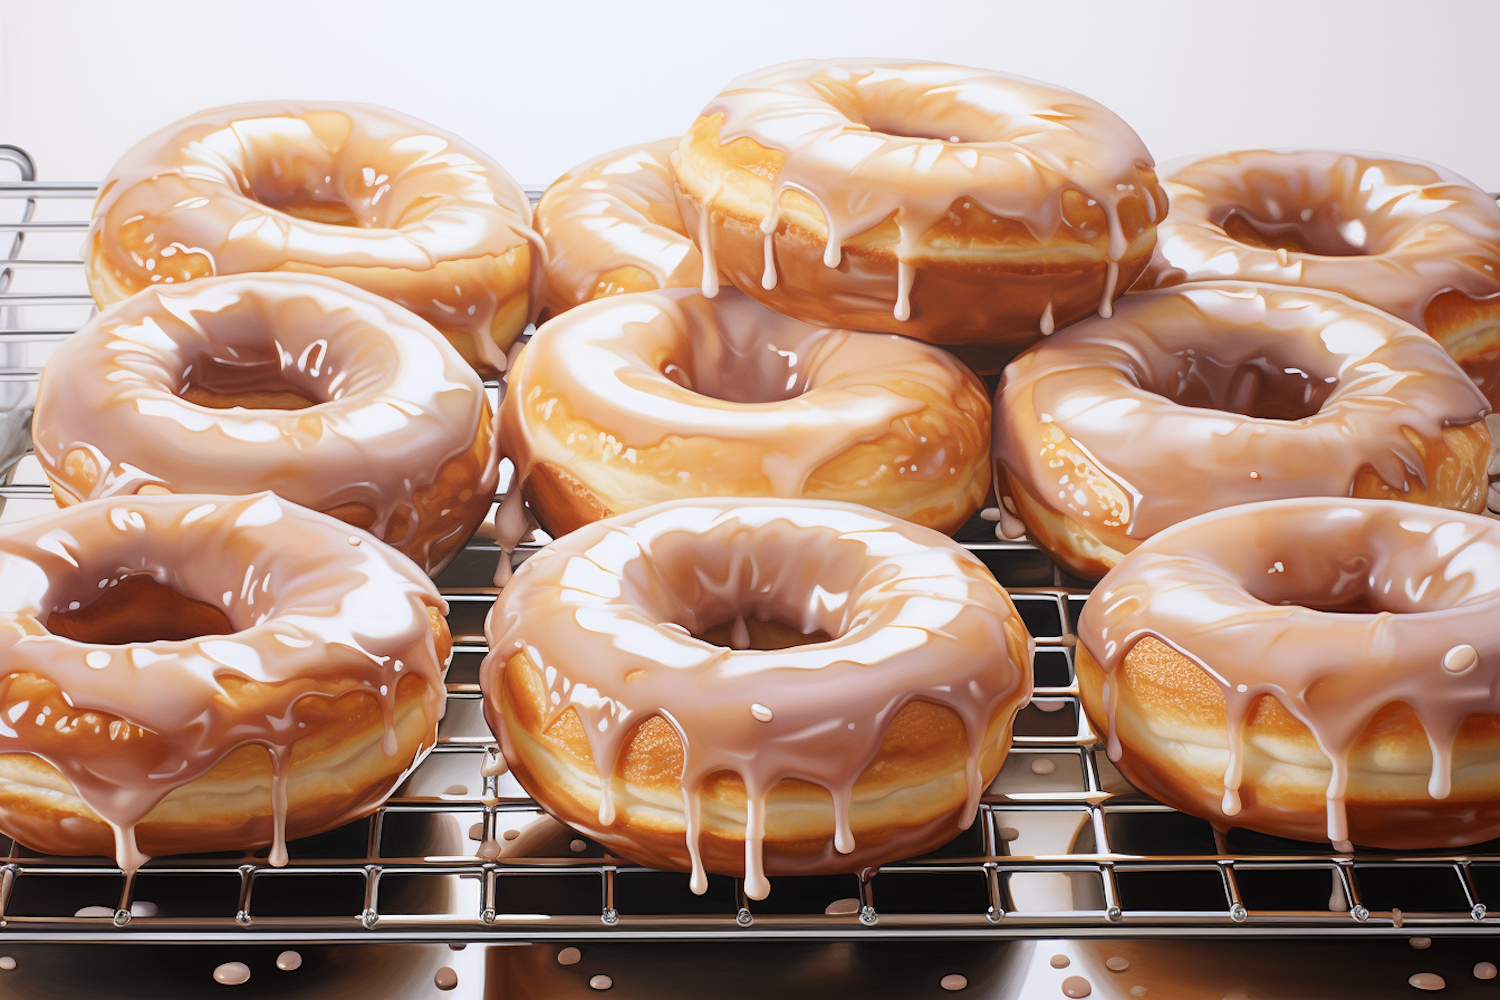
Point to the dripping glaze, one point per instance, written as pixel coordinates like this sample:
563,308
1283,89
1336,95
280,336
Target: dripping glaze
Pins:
910,617
1411,599
318,609
852,140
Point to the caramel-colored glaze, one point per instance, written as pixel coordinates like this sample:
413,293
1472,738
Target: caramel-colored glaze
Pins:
1408,237
1311,668
332,397
956,205
320,685
654,396
612,225
1198,397
350,191
818,757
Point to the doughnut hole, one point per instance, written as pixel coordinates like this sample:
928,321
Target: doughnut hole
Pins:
139,608
1266,386
1296,213
1171,723
760,634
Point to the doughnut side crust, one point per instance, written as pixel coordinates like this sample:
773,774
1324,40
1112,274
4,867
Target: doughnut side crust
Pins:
907,802
961,264
338,772
665,395
1171,727
591,484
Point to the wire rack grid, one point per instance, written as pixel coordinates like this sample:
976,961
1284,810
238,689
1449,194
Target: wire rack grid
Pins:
1062,844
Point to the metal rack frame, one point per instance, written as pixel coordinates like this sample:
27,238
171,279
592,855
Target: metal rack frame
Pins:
1062,844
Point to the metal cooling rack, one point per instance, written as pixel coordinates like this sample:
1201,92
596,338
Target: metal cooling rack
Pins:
1062,844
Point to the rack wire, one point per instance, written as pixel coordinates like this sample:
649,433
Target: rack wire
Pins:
1062,844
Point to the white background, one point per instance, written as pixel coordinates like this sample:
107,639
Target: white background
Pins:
544,86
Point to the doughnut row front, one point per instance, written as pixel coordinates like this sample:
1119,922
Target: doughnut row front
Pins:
1251,395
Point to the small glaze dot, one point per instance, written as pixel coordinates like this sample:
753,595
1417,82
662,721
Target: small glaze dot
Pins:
1421,943
842,907
98,659
511,834
1117,964
1427,981
1137,991
7,963
760,712
1061,961
1009,833
476,832
1043,765
1484,970
287,961
232,973
1076,986
353,539
578,846
1460,659
456,790
569,956
601,982
953,982
445,978
457,947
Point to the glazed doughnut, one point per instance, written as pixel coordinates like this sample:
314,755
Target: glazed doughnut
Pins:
1199,397
332,397
637,399
351,191
197,673
961,206
630,686
1311,668
1408,237
612,225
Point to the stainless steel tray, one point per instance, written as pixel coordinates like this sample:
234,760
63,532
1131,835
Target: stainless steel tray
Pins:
1062,845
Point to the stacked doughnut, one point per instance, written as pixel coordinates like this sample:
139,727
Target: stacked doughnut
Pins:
1273,453
750,417
697,447
269,438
